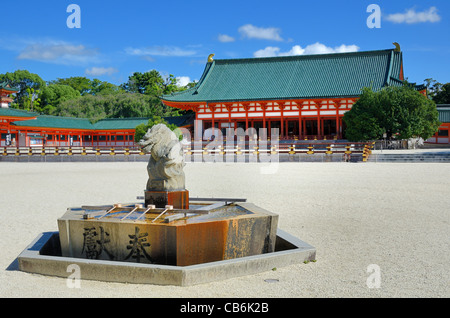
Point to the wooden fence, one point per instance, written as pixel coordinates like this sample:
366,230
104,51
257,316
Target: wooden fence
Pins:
205,148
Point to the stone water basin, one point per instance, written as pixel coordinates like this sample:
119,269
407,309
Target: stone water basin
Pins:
207,232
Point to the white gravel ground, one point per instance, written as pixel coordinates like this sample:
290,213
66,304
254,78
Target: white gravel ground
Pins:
395,216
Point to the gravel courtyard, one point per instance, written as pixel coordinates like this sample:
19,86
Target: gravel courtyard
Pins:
394,216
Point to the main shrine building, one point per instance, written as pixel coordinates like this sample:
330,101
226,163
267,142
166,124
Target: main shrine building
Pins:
303,96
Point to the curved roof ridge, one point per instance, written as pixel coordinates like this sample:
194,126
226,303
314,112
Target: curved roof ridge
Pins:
303,56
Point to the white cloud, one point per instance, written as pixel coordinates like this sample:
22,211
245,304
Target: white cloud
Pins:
319,48
183,80
148,58
347,48
316,48
295,50
253,32
225,38
57,52
160,51
99,71
411,16
267,52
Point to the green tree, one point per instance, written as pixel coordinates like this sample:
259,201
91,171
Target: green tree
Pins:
189,85
86,86
400,112
78,83
142,129
432,86
442,96
104,88
151,83
119,105
55,94
31,100
131,105
28,84
88,106
82,97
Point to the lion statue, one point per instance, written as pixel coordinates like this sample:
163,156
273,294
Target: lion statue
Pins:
165,167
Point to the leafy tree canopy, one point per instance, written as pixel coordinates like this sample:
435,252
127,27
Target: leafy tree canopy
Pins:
142,129
53,95
119,105
95,99
86,86
400,112
29,86
443,95
151,83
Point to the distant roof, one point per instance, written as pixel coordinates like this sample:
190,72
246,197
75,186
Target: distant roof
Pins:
292,77
119,123
12,112
46,121
5,86
131,123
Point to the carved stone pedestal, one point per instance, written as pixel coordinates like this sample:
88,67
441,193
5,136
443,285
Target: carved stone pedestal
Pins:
179,199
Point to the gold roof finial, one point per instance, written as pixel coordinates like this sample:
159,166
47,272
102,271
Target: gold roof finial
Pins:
210,58
397,47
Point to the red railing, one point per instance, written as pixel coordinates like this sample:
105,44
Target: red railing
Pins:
68,150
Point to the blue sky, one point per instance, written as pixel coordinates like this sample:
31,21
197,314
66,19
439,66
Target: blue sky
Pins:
117,38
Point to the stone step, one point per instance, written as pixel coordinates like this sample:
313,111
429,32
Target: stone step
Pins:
431,157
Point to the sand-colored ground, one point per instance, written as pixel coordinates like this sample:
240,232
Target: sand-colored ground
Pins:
356,214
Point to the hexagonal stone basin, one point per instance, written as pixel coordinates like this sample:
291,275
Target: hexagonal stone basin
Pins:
43,256
209,242
207,232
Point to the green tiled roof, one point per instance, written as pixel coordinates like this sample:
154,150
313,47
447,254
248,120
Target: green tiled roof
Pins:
119,123
131,123
5,86
45,121
291,77
12,112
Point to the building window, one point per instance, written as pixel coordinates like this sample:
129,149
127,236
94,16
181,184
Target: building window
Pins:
443,133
